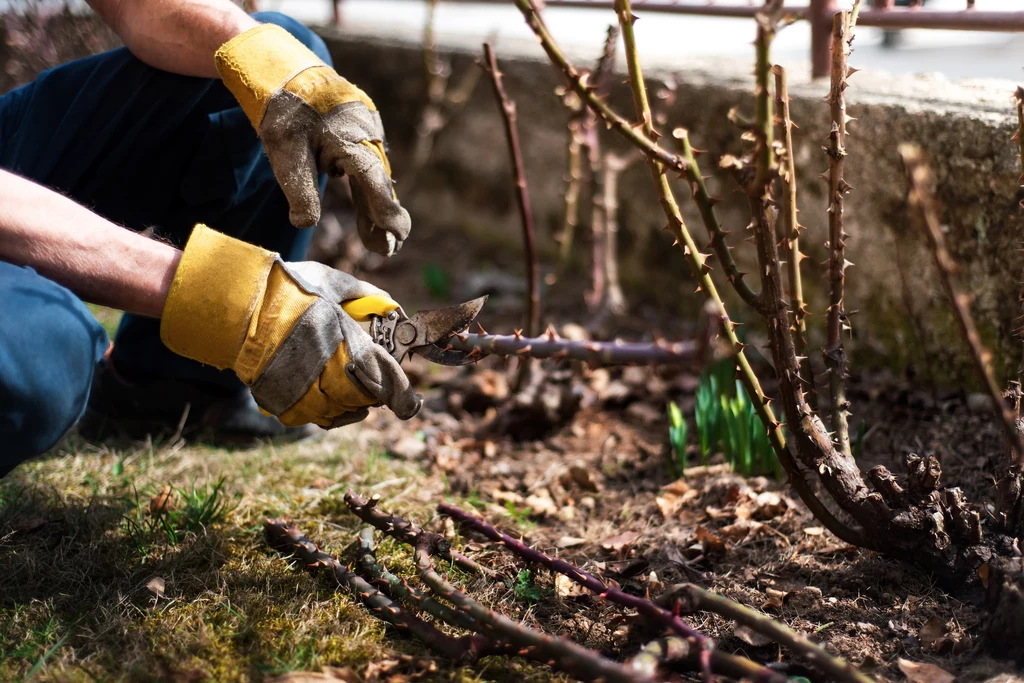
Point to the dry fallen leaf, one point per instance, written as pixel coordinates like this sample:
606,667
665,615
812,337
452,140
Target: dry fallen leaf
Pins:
776,598
541,504
741,530
162,502
710,542
376,670
934,637
769,505
621,543
584,477
156,586
674,496
569,542
922,672
567,588
751,637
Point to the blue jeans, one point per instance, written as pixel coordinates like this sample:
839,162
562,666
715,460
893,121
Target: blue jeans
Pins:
142,148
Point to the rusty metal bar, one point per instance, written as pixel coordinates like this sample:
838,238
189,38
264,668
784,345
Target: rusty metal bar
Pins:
820,15
951,20
882,14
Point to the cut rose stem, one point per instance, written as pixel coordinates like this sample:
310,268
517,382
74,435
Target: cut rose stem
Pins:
508,112
289,541
690,598
550,345
921,201
675,652
702,645
792,229
405,531
564,654
558,652
367,561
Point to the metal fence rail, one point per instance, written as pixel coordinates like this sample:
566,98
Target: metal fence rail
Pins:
881,14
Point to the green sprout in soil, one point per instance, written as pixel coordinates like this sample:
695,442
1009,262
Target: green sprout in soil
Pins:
727,423
677,433
526,589
174,513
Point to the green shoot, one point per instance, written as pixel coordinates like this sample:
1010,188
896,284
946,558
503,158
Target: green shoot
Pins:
677,433
526,589
186,512
727,422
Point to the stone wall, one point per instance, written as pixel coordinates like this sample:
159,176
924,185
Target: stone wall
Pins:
902,319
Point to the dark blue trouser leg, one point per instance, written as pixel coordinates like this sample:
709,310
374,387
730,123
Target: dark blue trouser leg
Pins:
144,147
49,344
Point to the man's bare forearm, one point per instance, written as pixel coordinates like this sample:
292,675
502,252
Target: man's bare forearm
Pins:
99,261
180,36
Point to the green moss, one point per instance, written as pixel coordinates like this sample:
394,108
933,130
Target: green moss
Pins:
77,607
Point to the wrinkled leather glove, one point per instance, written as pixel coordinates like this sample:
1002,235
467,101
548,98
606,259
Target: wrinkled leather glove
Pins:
283,330
311,118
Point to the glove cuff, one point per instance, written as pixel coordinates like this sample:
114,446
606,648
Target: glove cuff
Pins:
218,285
259,62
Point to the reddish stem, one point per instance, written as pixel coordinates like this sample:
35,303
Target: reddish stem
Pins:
508,112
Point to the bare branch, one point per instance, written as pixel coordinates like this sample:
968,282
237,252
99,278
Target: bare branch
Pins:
690,598
701,647
921,200
403,530
834,353
673,652
558,652
508,112
595,353
791,236
289,541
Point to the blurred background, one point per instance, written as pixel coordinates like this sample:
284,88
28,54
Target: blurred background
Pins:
956,54
36,37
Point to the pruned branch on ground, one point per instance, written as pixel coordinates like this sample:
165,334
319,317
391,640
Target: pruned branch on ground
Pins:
488,632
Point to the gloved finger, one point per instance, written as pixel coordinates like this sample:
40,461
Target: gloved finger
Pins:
289,148
330,283
376,373
350,417
380,375
374,238
382,222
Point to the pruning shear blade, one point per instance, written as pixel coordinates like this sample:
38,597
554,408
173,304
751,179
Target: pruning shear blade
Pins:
425,332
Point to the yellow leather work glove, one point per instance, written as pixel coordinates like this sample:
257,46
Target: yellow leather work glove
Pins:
282,329
310,118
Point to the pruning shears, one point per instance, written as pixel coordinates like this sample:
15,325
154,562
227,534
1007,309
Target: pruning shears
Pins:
423,333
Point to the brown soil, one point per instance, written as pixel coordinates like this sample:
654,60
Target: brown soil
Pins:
595,488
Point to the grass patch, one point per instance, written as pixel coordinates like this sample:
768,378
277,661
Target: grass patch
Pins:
83,533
